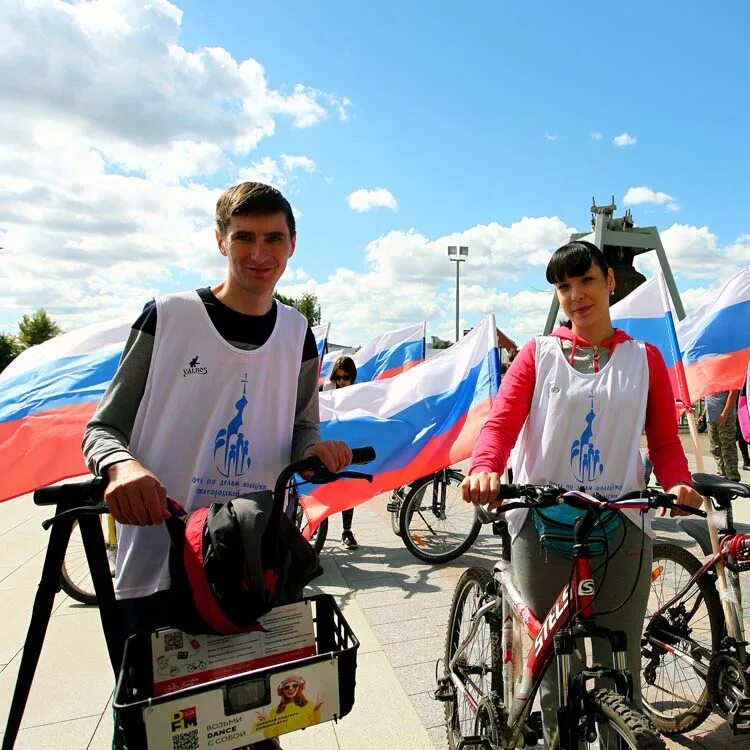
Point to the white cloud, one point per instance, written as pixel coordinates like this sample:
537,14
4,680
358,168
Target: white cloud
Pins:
108,130
637,195
624,139
366,200
551,137
409,278
695,252
596,135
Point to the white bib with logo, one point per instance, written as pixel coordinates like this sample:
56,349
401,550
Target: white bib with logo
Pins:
214,422
584,430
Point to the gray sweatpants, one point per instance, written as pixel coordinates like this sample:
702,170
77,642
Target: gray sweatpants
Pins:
541,577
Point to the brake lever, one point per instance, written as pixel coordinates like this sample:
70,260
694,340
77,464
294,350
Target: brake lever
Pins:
691,510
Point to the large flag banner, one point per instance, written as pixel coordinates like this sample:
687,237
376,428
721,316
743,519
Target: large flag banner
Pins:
47,395
420,422
389,354
646,314
715,339
321,339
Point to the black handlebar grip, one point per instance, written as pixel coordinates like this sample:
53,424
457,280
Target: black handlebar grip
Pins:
363,455
509,491
90,492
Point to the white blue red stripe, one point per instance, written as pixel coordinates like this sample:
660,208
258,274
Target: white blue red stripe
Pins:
386,355
321,338
715,339
47,395
646,314
418,423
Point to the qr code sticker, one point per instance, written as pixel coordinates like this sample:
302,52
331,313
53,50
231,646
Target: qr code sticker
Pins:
173,641
185,741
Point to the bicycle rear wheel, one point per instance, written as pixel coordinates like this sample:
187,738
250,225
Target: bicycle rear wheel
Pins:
75,576
436,524
675,696
479,668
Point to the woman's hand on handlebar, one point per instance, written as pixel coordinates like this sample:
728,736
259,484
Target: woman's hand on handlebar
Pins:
334,454
684,495
134,495
481,488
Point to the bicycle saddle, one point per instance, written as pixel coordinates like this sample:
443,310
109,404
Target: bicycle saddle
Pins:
722,490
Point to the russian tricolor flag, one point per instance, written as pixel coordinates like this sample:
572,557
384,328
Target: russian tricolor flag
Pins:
424,420
47,395
646,314
389,354
715,339
321,339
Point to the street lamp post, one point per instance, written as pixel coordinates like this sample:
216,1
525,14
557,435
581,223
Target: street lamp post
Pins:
458,255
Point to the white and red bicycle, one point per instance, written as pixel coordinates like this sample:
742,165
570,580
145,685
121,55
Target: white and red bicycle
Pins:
488,691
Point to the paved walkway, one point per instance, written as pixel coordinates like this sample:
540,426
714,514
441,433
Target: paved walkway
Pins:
397,606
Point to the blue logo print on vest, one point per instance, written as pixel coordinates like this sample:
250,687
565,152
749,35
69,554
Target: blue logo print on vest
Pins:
585,458
231,447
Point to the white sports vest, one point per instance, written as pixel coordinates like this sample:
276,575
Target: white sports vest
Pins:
584,430
214,422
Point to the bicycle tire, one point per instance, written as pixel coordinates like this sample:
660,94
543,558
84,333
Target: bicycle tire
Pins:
432,539
675,697
397,496
483,660
631,728
75,577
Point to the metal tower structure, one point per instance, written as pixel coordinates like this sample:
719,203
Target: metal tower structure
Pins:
620,241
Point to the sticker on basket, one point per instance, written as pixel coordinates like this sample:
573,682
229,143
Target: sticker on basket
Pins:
286,635
298,698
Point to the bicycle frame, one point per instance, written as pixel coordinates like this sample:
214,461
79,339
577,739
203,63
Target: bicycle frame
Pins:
573,607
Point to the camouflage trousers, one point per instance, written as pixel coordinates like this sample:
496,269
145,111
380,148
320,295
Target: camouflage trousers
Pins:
723,442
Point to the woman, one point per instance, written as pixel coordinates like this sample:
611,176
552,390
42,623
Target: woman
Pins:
583,395
343,374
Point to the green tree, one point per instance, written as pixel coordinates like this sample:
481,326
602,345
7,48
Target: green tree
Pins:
9,349
36,328
308,305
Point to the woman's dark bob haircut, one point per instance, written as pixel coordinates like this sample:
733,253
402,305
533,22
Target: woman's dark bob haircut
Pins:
574,259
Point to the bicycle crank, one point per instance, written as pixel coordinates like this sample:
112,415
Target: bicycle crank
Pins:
729,690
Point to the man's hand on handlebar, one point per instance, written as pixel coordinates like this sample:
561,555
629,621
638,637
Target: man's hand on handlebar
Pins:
134,495
684,495
334,454
481,488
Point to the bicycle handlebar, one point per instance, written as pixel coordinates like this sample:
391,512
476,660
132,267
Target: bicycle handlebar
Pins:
544,496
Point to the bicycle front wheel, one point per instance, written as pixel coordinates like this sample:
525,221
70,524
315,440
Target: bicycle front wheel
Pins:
473,711
621,726
436,524
677,645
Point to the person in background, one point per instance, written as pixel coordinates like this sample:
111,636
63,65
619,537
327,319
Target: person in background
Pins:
343,374
721,413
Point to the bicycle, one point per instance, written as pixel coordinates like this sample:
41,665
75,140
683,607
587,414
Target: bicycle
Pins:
489,694
434,522
75,577
695,658
82,503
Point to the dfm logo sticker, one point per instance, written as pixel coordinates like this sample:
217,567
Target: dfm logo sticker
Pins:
184,719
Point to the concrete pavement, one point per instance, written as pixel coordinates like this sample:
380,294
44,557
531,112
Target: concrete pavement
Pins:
397,606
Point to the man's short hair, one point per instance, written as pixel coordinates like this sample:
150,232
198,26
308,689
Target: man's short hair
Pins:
252,198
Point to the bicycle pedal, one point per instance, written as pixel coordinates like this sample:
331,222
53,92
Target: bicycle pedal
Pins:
393,507
738,717
445,690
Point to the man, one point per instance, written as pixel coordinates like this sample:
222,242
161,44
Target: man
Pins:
216,391
721,412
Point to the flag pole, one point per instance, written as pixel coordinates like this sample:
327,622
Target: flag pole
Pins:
684,396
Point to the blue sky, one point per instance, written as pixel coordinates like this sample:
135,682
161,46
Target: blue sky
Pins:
491,125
